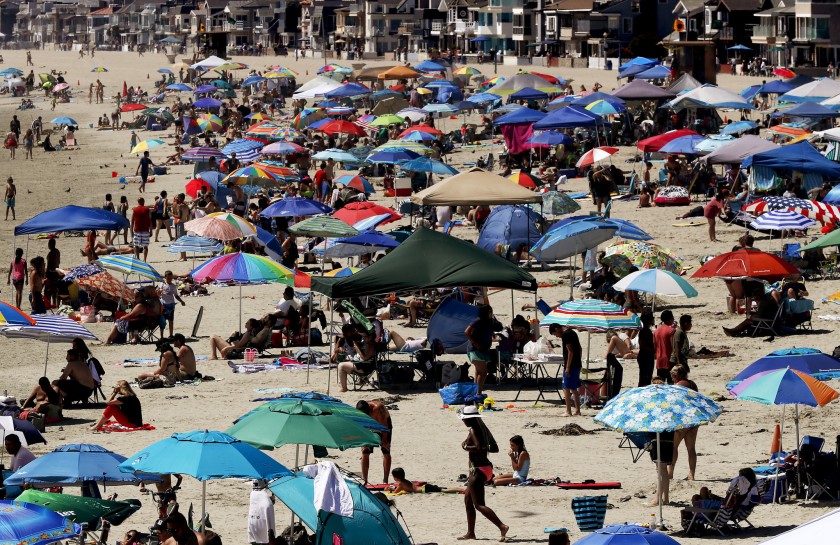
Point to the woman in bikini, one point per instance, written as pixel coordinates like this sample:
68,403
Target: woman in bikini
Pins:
478,444
168,368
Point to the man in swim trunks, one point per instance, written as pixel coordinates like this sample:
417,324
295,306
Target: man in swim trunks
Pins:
377,411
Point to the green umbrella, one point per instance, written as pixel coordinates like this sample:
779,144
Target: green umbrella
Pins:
301,423
82,510
831,239
335,407
323,226
387,119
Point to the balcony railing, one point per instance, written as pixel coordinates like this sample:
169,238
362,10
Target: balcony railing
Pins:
437,26
764,31
519,30
464,26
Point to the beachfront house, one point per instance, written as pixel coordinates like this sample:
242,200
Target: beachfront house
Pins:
798,33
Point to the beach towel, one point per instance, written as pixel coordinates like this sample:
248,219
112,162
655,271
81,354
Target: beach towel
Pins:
589,485
146,362
112,426
590,512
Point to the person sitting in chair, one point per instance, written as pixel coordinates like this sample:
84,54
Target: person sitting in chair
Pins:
121,325
767,310
76,382
364,360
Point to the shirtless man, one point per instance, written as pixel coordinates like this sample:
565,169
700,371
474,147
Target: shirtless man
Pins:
76,382
180,532
186,357
377,411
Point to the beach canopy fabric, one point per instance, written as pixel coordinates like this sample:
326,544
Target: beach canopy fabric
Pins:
814,531
72,218
426,260
738,150
509,226
710,96
475,187
815,91
800,157
80,509
805,360
641,90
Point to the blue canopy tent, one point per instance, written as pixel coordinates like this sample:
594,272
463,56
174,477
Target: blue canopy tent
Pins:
372,520
529,93
429,66
776,87
447,93
655,72
800,157
810,110
448,324
520,115
595,97
72,218
348,90
569,117
510,226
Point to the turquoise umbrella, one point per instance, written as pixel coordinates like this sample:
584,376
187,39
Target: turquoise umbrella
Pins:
205,455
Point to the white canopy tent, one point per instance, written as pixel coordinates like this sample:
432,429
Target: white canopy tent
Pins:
316,87
815,531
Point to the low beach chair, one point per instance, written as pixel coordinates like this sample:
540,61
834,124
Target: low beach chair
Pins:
728,517
764,325
637,443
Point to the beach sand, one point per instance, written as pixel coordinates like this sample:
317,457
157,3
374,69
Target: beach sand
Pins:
427,438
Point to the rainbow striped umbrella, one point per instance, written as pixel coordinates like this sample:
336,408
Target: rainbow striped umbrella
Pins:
286,133
250,175
591,315
259,116
146,145
466,71
212,122
308,116
11,315
99,69
243,269
342,272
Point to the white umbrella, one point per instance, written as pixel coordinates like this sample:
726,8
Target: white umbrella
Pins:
657,282
49,328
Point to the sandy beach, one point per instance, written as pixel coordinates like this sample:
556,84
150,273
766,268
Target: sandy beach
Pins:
426,438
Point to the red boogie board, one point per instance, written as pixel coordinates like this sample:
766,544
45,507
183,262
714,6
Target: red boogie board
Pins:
589,485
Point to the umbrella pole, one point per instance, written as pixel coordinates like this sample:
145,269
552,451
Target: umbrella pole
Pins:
796,427
240,307
778,455
659,476
512,311
203,505
588,346
47,356
309,337
332,340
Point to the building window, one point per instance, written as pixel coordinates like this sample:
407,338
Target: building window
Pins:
505,17
627,25
692,25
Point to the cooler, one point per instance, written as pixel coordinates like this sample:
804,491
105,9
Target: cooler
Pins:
402,187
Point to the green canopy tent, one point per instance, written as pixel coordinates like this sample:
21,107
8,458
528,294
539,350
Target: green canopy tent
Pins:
428,260
831,239
81,510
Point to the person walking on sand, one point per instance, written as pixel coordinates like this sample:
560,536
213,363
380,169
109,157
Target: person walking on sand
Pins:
572,351
133,141
679,376
712,211
11,143
29,59
478,444
9,197
28,144
17,275
141,226
143,170
377,411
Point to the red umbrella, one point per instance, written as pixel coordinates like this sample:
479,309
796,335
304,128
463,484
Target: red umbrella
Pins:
550,79
343,127
784,72
525,180
125,89
133,107
747,263
654,143
358,211
194,186
422,127
302,280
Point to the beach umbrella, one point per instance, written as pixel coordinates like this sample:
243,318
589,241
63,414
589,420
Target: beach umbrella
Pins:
356,182
624,228
440,108
245,227
64,121
273,248
206,88
387,119
61,87
419,136
768,204
246,149
286,133
99,69
129,265
250,175
372,222
221,84
558,204
525,180
281,172
205,455
343,272
301,422
591,315
356,211
243,268
164,71
426,164
195,245
826,241
211,122
403,145
90,512
178,87
100,282
146,145
654,143
207,103
295,207
646,255
11,315
215,228
620,265
656,409
602,107
231,65
657,282
809,361
282,148
421,127
414,114
784,72
202,154
334,404
24,429
194,187
466,71
548,139
369,239
48,328
738,127
258,116
324,227
133,107
340,126
571,239
626,534
747,263
337,155
348,90
252,80
29,524
782,220
686,145
76,464
394,157
594,155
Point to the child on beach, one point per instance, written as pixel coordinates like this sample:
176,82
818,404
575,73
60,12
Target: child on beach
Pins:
168,296
17,275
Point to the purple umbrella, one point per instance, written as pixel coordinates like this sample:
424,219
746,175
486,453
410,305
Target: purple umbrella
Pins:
207,103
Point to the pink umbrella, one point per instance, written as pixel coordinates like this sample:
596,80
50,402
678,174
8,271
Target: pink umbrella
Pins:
594,155
60,87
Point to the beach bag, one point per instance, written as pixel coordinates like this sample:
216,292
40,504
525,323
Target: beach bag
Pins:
590,512
449,373
456,394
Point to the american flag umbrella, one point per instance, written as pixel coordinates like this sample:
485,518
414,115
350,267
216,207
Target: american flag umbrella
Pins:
782,220
49,328
768,204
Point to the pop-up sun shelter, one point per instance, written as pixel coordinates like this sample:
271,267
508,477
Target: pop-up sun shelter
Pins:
475,187
72,218
801,157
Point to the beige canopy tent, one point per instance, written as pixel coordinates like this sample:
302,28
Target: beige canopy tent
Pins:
399,72
475,187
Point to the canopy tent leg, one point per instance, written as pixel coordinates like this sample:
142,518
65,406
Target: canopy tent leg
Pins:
332,340
309,337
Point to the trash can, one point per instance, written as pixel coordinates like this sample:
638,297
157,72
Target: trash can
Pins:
608,65
351,55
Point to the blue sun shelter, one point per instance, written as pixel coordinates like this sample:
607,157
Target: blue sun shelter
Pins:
510,226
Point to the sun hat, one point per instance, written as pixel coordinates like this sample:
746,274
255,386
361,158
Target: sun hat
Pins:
470,411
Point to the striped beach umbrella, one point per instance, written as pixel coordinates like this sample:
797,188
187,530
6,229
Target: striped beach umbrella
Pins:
211,122
11,315
466,71
146,145
280,171
244,226
342,272
246,150
49,328
258,116
129,265
323,226
99,69
213,227
195,245
286,133
769,204
251,175
657,282
782,220
282,148
591,315
202,154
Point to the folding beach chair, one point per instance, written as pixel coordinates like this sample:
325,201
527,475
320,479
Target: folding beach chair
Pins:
764,325
637,443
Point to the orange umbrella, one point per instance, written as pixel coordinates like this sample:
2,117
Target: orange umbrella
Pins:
399,72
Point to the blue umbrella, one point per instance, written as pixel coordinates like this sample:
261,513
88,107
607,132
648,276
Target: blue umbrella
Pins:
29,524
750,92
246,150
440,83
195,244
739,47
807,360
529,93
626,534
480,39
272,247
738,127
684,144
253,80
624,228
550,138
371,238
24,429
429,66
206,103
353,181
129,265
64,121
164,70
295,206
572,238
348,90
76,464
426,164
204,89
205,455
419,136
776,87
337,155
392,157
484,98
179,87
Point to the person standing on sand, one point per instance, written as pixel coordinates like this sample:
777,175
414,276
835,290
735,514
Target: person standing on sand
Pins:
572,351
377,411
9,197
711,211
36,285
29,59
143,170
141,226
17,275
133,141
478,444
28,144
663,341
680,345
90,95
